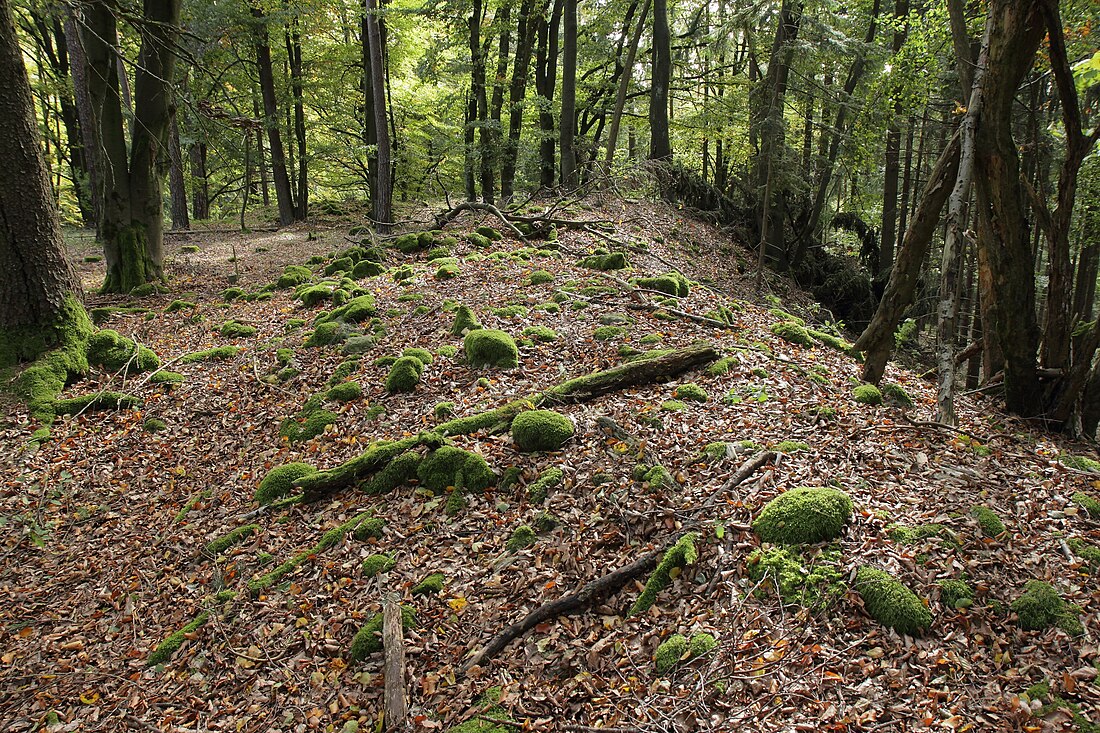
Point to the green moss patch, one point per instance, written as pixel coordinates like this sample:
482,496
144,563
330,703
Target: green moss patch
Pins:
430,585
811,581
911,535
464,321
867,394
790,446
1039,607
793,333
678,649
490,347
396,472
221,352
1080,463
544,484
344,392
681,554
98,402
404,375
308,424
376,564
540,277
672,283
235,329
691,392
170,645
329,539
890,603
990,524
522,537
956,593
804,515
541,430
231,538
612,261
448,467
115,352
895,394
540,333
608,333
368,639
279,482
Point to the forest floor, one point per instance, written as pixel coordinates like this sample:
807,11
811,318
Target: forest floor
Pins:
103,528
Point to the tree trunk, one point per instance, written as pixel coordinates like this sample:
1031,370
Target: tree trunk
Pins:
284,196
492,153
200,184
477,104
877,340
660,145
294,55
546,75
624,87
517,90
1017,29
177,187
383,201
39,292
86,116
569,97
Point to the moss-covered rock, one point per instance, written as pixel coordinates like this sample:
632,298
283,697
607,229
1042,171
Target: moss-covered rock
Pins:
404,375
790,446
956,593
344,392
327,332
1040,607
97,402
279,482
990,524
307,425
293,276
376,564
356,310
464,321
671,283
540,333
1088,503
890,603
233,293
895,394
453,467
867,394
235,329
541,430
366,268
681,554
540,277
179,305
612,261
1080,463
659,477
522,537
546,482
804,515
692,392
490,347
370,529
608,333
811,581
793,333
423,355
115,352
430,585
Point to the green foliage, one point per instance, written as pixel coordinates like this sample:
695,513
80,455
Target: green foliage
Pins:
540,430
804,515
279,482
490,347
793,332
430,585
867,394
368,639
956,593
680,555
890,603
522,537
991,525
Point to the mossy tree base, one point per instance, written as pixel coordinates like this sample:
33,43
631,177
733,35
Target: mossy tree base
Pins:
130,263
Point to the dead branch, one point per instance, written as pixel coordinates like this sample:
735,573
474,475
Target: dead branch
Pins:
395,705
748,468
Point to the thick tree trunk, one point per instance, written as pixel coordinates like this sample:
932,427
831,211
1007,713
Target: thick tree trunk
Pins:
569,97
660,145
39,291
284,196
1016,32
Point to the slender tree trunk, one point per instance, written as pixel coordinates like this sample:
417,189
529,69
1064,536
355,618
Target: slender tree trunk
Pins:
907,178
283,194
294,55
517,90
39,292
624,87
569,97
200,184
383,201
176,182
492,152
476,105
87,117
546,75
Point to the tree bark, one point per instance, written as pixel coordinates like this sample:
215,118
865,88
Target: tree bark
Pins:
568,125
177,187
624,87
284,196
200,183
517,90
383,200
294,56
546,75
660,144
37,284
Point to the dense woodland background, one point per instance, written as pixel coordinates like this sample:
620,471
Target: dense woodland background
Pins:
948,144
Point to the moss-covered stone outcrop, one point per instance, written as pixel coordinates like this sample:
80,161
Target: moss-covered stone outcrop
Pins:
1039,607
279,482
541,430
404,375
490,347
890,603
115,352
804,515
448,467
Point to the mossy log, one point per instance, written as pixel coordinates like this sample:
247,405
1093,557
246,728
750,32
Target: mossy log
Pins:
323,483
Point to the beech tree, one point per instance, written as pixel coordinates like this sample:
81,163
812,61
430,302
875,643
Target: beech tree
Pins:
39,294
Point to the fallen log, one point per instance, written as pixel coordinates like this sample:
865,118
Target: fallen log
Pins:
395,704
